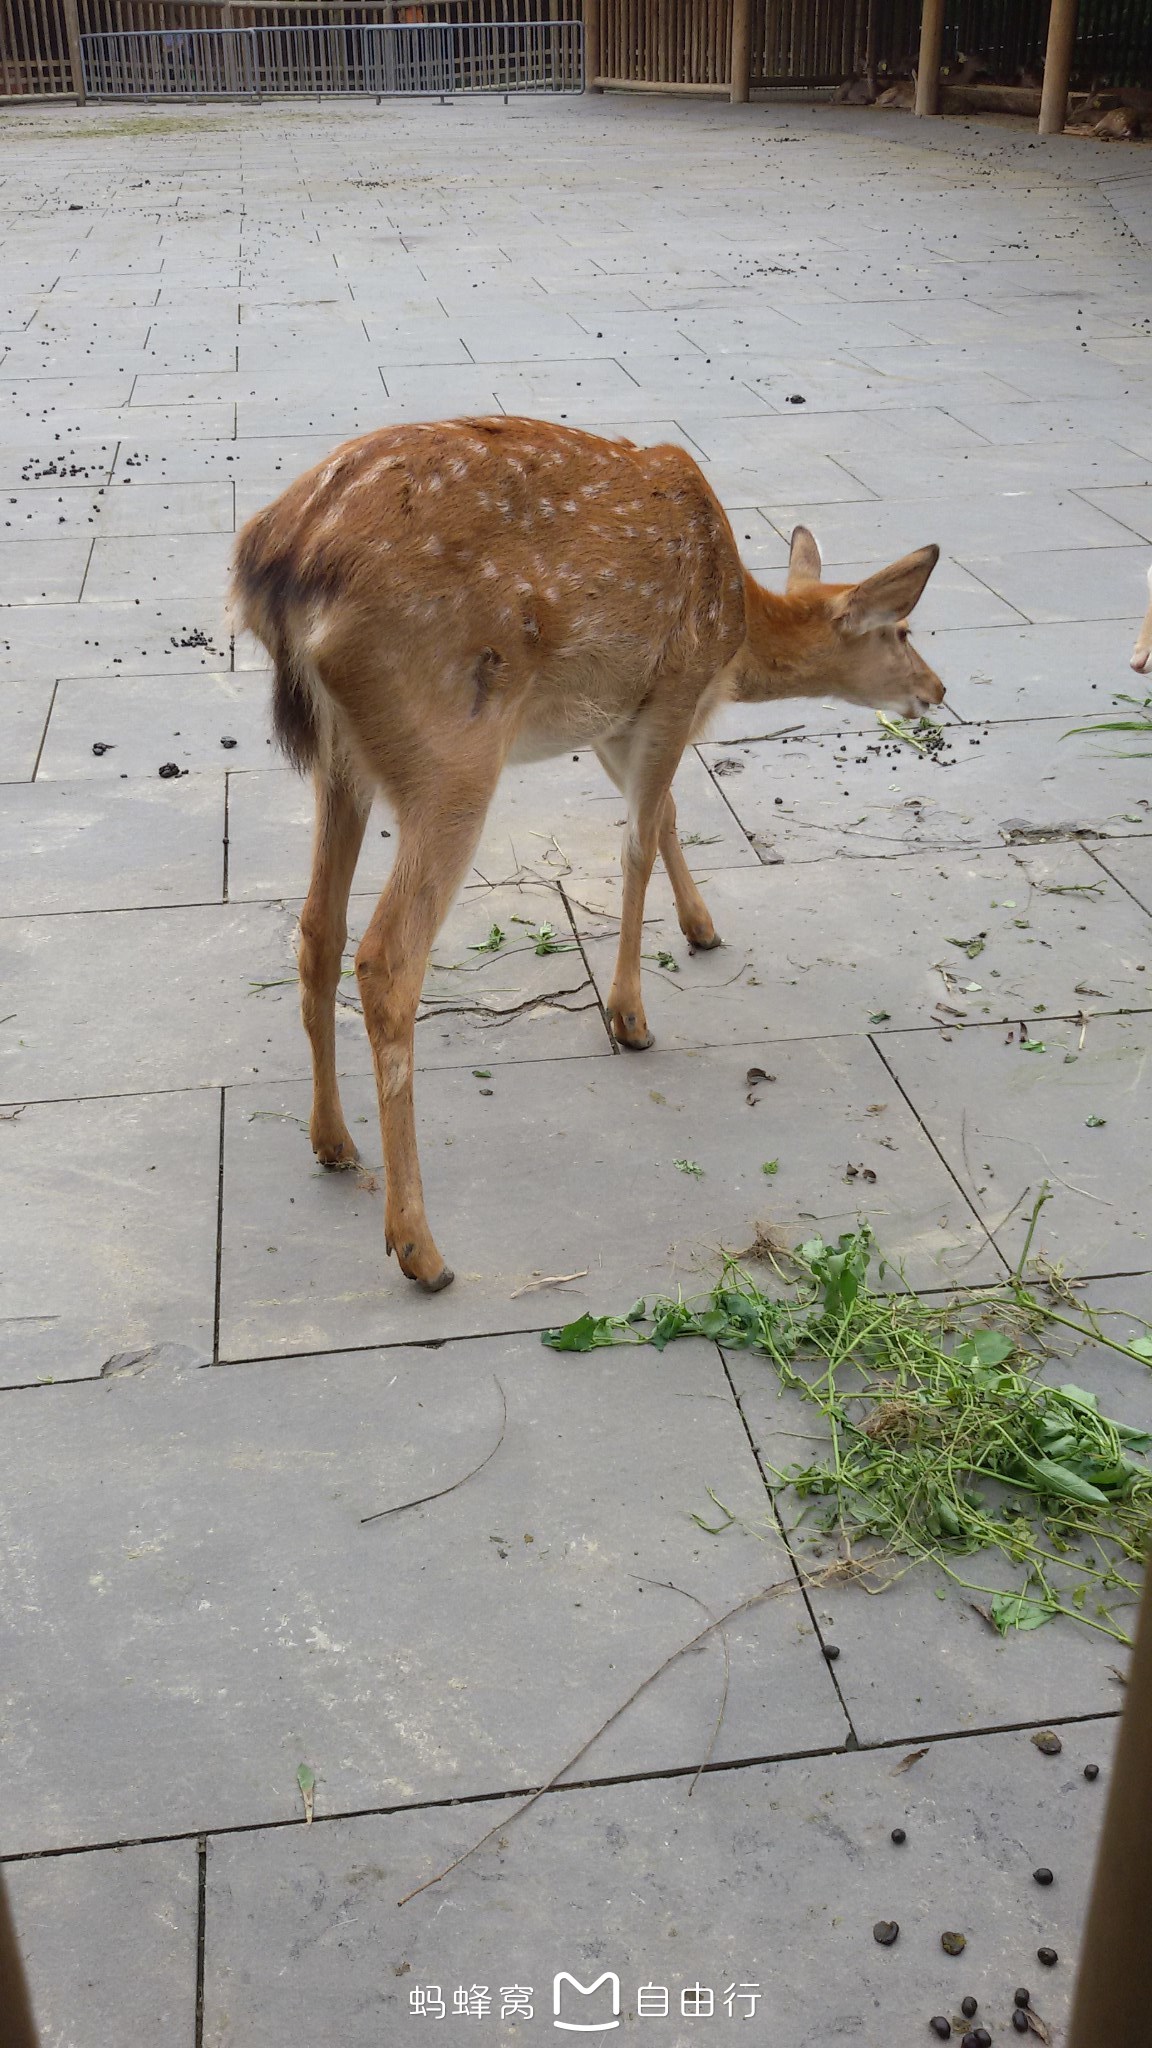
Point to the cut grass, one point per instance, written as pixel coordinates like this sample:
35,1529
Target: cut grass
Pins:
944,1441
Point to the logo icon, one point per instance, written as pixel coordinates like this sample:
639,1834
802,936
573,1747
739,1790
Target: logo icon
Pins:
600,2026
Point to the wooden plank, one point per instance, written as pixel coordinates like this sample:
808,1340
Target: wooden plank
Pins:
741,51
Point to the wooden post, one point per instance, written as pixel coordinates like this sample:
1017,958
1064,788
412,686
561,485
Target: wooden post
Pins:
1057,66
593,54
931,44
72,30
741,51
1111,2002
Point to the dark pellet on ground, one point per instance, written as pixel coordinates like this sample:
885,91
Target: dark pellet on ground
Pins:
970,2041
1043,1875
1048,1742
1091,1772
831,1651
1020,2021
982,2037
227,741
168,771
954,1945
968,2007
1021,1997
1047,1956
885,1932
105,747
898,1836
941,2027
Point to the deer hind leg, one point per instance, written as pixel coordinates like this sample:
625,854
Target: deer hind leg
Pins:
437,838
341,816
647,761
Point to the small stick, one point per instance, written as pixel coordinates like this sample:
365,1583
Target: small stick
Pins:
439,1494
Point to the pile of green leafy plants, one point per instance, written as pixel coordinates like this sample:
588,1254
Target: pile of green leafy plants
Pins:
944,1439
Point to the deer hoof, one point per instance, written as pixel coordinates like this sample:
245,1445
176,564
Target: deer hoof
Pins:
339,1153
444,1278
633,1038
698,945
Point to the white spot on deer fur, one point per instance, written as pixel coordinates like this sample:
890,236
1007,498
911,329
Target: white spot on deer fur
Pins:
489,569
432,546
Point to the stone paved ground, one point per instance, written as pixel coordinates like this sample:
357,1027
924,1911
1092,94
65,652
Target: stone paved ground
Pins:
193,307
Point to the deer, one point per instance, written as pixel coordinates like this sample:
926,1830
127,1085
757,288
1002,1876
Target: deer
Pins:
1142,652
439,600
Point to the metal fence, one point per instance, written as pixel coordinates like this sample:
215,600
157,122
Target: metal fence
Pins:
387,60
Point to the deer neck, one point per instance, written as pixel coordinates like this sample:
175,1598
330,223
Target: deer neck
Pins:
785,650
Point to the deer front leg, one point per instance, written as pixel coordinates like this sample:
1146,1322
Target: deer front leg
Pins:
341,815
691,909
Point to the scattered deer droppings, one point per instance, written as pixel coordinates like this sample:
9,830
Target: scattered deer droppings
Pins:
899,1836
953,1944
982,2037
968,2007
101,747
1020,2021
1021,1997
168,771
1043,1875
227,740
885,1932
970,2041
941,2027
1047,1956
1048,1742
831,1651
1091,1772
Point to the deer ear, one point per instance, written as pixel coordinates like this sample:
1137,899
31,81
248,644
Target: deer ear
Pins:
890,594
804,564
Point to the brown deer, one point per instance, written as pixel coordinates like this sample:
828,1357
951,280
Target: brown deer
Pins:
1142,652
438,600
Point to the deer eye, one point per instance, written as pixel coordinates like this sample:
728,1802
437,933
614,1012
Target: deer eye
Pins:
901,632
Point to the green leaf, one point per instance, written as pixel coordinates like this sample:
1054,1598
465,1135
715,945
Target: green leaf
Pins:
492,943
306,1779
666,960
1095,1123
689,1166
880,1017
1033,1045
973,947
1017,1610
1142,1346
770,1166
587,1333
984,1348
547,942
1049,1477
481,1073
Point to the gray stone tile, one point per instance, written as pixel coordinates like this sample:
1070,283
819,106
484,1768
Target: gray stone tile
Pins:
547,820
110,1212
667,1890
964,527
630,1216
42,571
69,846
1063,670
149,720
1007,1120
1096,583
854,795
820,433
24,710
193,565
980,471
109,1944
806,957
1131,506
263,1647
51,512
41,459
182,634
137,509
1131,864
